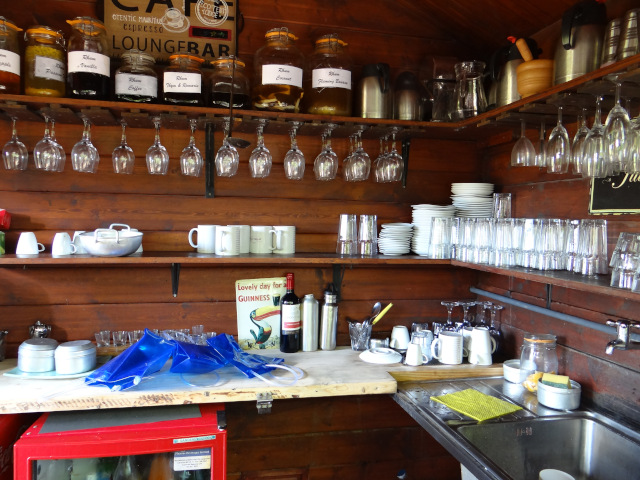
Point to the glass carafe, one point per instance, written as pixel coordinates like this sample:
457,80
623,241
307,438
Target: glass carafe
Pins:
538,356
469,96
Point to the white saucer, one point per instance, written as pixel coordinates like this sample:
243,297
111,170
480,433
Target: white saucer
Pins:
381,356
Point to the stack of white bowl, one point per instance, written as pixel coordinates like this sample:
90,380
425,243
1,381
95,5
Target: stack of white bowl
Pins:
395,238
422,216
472,199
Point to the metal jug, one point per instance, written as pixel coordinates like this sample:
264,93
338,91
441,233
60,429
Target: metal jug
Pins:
502,68
580,47
408,103
469,96
39,330
375,96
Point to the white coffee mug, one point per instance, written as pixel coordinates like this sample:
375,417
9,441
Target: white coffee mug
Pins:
260,239
448,348
78,243
414,355
399,337
227,240
28,245
62,245
206,238
482,346
285,237
244,238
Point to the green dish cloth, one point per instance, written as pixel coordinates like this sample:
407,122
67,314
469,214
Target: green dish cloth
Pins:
476,405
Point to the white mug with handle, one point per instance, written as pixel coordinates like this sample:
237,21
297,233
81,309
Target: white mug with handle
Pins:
62,245
285,236
28,245
414,355
206,238
448,348
482,346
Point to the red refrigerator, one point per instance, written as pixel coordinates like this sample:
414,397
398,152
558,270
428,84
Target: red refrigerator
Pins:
182,442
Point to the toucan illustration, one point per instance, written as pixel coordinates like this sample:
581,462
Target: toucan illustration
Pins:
264,329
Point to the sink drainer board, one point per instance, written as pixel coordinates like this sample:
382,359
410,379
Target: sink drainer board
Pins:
585,444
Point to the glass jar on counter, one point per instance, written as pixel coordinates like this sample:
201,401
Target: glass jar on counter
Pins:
44,62
88,64
538,356
182,80
278,67
136,80
9,57
221,80
328,87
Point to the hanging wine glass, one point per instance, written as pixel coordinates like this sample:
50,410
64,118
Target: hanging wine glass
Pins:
394,162
260,160
191,159
14,153
378,164
541,155
616,133
325,166
523,153
594,158
577,147
361,164
157,155
46,153
84,155
558,148
294,161
63,156
347,171
123,156
227,158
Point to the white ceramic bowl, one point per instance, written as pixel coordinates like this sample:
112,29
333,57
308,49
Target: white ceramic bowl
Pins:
511,370
560,398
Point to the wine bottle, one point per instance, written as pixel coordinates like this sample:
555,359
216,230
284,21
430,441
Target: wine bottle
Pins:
289,319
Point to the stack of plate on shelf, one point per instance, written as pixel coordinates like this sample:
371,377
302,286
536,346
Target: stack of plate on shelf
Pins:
395,238
472,199
421,219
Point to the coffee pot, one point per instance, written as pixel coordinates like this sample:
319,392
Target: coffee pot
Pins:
502,69
580,46
375,96
39,330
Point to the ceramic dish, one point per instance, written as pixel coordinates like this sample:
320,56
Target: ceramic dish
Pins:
511,370
381,356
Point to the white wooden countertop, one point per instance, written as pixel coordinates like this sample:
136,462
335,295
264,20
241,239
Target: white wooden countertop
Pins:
326,373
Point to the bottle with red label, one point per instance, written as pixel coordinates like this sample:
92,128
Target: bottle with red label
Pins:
289,319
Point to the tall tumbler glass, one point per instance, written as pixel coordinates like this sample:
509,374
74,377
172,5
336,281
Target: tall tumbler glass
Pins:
368,235
347,235
592,248
440,243
501,205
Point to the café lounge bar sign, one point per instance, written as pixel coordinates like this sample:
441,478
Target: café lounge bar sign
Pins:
206,28
615,195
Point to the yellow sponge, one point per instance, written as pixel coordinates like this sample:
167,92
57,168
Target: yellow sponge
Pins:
558,381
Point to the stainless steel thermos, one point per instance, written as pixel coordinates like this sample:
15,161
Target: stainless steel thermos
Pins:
329,319
309,316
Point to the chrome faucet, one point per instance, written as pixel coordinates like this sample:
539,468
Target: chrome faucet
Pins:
623,341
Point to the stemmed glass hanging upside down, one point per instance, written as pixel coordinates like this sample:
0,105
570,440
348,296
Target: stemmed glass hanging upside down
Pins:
123,156
14,153
191,159
157,155
294,161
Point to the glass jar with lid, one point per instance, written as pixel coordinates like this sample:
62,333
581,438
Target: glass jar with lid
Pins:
221,80
182,80
278,67
44,62
88,63
328,87
136,80
9,57
538,356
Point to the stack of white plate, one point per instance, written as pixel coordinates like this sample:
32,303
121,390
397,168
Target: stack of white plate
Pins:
421,219
395,238
472,199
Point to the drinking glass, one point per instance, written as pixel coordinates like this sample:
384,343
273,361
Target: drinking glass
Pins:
84,155
157,155
360,162
46,153
294,161
123,156
379,163
346,165
394,162
62,155
191,159
227,158
449,326
541,156
325,166
617,130
558,148
14,152
577,148
594,156
467,315
523,153
260,160
633,152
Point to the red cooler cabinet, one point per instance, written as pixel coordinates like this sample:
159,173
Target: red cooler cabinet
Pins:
188,441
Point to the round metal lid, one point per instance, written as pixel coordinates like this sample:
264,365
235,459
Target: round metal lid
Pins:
76,346
39,344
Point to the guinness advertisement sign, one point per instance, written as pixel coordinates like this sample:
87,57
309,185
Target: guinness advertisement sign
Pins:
615,195
206,28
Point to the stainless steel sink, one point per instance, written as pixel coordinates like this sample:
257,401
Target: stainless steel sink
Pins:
584,446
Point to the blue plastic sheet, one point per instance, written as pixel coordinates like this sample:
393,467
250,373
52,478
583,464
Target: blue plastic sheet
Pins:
193,358
248,363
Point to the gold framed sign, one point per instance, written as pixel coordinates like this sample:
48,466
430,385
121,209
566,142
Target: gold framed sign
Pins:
163,27
615,195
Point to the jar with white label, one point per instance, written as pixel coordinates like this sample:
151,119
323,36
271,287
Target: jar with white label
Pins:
327,86
182,80
45,65
278,66
136,80
88,64
224,80
9,57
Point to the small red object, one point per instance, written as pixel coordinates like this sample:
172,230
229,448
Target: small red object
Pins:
5,219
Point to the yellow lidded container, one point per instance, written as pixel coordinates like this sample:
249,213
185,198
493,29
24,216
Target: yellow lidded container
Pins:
45,62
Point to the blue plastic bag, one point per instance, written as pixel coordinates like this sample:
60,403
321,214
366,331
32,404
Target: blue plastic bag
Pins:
193,358
143,358
248,363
